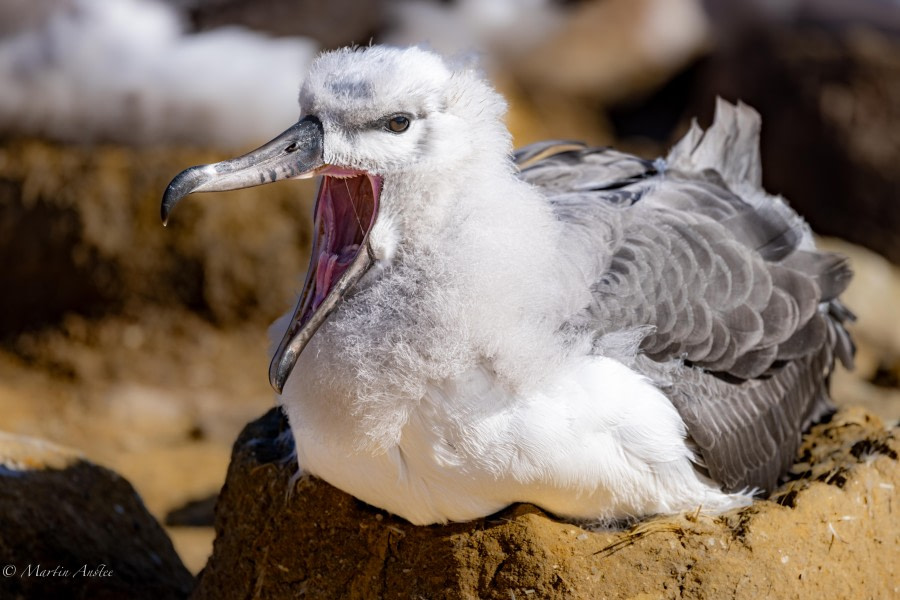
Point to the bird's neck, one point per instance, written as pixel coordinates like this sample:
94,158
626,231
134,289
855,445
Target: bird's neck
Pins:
500,249
441,206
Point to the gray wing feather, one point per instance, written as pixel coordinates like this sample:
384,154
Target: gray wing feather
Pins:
726,276
746,438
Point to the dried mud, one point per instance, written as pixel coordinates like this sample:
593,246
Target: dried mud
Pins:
830,532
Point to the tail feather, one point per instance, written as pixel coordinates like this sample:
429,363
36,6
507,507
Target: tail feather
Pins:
730,146
831,271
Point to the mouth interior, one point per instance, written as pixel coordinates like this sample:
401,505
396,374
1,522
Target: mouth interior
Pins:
345,213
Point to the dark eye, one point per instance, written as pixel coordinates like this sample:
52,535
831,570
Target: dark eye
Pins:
398,124
292,148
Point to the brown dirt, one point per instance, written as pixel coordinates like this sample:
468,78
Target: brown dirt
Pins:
829,533
82,234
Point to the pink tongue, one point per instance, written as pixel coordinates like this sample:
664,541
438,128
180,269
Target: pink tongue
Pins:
330,268
323,277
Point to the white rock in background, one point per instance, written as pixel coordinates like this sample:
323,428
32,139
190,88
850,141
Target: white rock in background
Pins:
616,49
126,71
498,29
24,453
873,295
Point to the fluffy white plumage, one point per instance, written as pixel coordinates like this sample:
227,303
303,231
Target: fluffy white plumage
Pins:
443,388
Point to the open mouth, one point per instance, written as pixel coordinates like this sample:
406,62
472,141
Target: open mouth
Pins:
346,208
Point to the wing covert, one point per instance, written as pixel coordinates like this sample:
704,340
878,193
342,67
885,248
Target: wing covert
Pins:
724,277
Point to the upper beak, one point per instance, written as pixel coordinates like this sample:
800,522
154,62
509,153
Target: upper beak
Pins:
295,153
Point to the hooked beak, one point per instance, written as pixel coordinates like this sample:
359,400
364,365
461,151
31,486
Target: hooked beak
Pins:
296,153
346,209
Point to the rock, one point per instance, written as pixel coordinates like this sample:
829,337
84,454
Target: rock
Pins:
195,513
874,291
828,87
828,532
84,221
69,528
617,50
332,24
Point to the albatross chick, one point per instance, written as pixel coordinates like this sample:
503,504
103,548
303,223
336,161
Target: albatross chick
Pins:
601,335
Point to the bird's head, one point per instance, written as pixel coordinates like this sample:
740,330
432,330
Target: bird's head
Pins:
373,120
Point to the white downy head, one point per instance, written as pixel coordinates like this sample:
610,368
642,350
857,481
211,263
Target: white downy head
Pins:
424,126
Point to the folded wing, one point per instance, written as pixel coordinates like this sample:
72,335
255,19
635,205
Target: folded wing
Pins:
725,277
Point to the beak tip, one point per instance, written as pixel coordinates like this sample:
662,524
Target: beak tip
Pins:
171,197
164,213
277,385
278,374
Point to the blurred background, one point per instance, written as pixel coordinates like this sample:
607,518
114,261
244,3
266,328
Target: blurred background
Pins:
145,348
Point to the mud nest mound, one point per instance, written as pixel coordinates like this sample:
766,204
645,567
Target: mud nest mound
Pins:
828,532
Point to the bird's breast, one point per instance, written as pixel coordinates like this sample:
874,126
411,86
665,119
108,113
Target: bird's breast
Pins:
579,445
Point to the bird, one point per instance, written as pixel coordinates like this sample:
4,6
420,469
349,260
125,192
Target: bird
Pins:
601,335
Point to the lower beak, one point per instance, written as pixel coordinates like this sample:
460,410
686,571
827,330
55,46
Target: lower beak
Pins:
307,319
